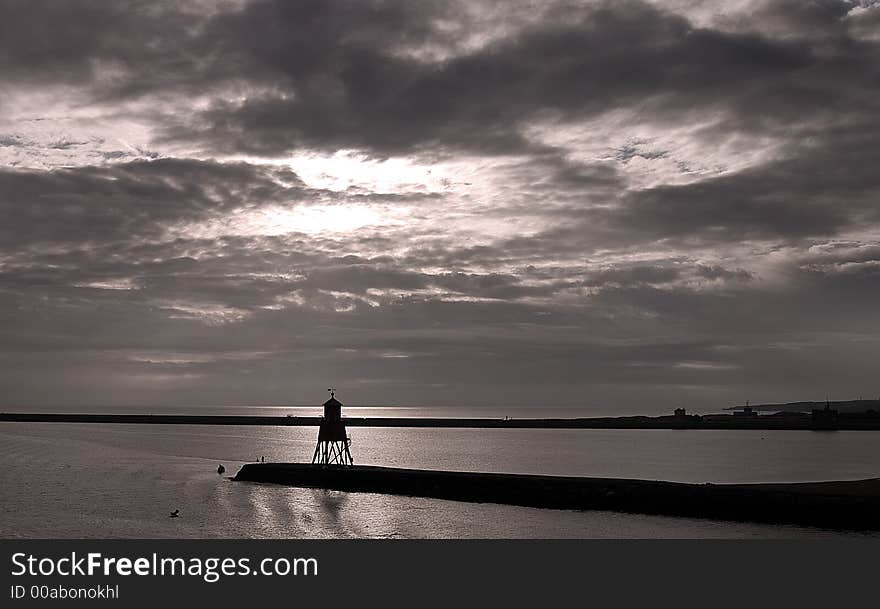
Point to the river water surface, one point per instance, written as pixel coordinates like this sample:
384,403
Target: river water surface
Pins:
95,480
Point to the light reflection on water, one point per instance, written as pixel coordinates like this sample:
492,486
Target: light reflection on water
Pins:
78,480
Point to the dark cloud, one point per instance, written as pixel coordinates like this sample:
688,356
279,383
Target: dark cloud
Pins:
715,272
85,42
350,75
820,191
133,201
342,89
641,274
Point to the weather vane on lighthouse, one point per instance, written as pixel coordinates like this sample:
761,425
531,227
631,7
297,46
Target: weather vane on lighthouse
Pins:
333,442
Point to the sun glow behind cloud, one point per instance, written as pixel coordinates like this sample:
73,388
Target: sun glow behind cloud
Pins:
314,219
277,220
352,170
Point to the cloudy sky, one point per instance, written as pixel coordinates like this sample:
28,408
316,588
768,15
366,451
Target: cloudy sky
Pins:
623,205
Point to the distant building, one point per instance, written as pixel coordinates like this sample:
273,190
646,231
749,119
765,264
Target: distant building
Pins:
824,418
747,412
680,419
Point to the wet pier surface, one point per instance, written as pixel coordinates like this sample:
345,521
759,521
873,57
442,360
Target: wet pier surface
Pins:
853,505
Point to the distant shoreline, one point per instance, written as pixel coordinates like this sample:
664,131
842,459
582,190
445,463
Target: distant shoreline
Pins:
853,422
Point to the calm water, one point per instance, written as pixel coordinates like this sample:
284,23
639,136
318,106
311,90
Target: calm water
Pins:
78,480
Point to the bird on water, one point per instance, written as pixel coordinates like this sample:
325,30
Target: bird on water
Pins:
175,514
220,469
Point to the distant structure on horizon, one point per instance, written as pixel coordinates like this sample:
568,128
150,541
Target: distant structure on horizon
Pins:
747,412
824,418
333,441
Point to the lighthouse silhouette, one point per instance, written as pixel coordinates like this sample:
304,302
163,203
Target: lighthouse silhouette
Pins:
333,442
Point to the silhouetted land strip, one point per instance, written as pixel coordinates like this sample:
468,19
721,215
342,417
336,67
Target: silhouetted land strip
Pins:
794,421
843,406
851,505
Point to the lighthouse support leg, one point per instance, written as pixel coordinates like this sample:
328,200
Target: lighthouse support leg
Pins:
333,453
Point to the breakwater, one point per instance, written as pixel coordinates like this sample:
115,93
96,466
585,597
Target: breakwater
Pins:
839,505
854,422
